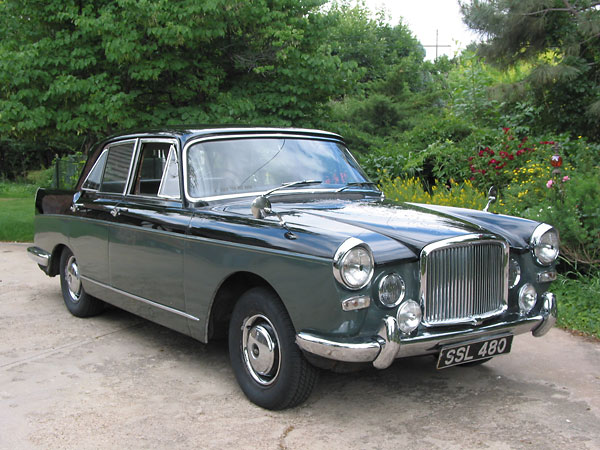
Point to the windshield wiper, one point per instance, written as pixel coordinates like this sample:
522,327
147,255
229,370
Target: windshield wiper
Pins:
293,183
357,183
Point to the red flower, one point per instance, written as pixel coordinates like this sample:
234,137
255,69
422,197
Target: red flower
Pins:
505,129
503,154
520,152
500,166
481,153
470,158
483,171
524,139
473,168
511,156
493,161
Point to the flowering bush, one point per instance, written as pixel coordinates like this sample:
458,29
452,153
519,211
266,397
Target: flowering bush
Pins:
497,165
411,190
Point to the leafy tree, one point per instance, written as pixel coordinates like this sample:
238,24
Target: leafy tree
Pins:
72,70
561,39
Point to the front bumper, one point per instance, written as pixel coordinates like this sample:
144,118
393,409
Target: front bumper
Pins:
390,343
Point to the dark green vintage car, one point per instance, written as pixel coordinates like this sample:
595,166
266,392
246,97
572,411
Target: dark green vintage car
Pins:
276,240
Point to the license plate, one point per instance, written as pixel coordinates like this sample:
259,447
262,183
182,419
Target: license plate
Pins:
473,351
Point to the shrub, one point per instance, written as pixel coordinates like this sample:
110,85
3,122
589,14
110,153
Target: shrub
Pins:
412,190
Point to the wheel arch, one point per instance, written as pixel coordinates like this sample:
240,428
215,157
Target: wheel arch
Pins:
226,297
54,266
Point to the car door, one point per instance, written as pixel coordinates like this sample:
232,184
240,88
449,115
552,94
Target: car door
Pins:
93,206
147,238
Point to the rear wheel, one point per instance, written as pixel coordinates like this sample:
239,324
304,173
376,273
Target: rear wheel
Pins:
267,363
78,302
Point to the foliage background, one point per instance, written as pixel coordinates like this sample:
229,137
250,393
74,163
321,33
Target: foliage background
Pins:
72,71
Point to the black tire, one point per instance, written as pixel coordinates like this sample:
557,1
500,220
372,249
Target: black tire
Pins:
268,365
78,302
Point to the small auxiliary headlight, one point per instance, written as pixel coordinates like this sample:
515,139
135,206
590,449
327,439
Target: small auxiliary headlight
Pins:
391,290
527,298
409,316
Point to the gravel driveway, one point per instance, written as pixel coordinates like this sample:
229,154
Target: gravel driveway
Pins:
117,381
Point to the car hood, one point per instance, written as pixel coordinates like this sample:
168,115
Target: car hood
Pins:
412,226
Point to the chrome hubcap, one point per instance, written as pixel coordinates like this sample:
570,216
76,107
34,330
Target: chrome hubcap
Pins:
260,349
72,279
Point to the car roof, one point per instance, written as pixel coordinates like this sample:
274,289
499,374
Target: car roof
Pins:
187,133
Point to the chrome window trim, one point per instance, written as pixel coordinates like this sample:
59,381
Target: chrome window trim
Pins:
455,242
104,151
233,137
138,149
536,236
342,250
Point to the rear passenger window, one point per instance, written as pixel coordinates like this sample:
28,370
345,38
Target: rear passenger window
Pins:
117,168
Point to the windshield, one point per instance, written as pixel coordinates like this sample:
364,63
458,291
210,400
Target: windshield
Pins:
237,166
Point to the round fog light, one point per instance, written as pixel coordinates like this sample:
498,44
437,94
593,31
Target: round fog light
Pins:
527,298
409,316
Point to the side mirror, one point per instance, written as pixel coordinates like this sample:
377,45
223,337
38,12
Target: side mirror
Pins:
261,207
492,197
75,206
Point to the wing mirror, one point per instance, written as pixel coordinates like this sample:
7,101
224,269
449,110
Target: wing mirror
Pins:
261,207
492,197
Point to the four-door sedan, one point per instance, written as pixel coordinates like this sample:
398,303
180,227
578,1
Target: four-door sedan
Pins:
276,240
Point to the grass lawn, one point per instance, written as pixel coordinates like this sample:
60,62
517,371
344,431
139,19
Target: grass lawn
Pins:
579,303
16,212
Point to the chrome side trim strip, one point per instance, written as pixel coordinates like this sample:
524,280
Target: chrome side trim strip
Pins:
41,257
141,299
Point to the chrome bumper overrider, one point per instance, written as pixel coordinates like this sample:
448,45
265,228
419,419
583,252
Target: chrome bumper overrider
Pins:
41,257
390,343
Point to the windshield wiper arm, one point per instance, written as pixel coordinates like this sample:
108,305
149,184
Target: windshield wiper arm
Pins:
294,183
356,183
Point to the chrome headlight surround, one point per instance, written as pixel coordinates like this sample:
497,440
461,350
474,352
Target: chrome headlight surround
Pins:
353,257
545,244
392,289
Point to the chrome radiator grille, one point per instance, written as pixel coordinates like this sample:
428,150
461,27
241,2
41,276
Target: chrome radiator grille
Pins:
464,280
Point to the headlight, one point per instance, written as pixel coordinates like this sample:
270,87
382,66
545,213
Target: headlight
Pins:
409,316
353,264
391,290
527,298
544,244
514,273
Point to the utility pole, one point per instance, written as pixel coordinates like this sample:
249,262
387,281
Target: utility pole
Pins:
437,45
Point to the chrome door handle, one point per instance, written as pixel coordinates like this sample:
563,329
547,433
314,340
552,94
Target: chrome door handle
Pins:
75,207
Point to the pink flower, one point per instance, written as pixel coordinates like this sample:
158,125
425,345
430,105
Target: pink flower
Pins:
565,178
549,184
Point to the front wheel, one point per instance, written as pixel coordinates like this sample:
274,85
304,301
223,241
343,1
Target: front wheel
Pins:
267,363
78,302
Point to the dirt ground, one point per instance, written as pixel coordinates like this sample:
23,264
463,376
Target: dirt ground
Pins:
118,381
